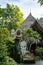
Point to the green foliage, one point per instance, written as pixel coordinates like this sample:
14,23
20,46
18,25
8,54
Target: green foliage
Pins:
1,12
4,60
39,50
3,50
37,58
31,35
10,44
9,39
11,16
8,61
40,1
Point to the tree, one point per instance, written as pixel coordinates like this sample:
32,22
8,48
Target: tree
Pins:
12,15
40,1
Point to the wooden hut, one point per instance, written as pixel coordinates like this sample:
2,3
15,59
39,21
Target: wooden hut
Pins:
30,21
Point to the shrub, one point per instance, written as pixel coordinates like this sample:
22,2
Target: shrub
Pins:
39,49
37,58
3,51
30,35
8,61
10,44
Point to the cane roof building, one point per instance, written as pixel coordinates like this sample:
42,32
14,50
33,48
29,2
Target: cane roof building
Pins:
30,21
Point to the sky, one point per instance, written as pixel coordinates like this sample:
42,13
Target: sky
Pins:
26,7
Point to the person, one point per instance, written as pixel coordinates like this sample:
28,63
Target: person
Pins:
17,39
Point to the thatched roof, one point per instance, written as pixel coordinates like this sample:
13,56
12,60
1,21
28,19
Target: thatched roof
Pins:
28,21
36,26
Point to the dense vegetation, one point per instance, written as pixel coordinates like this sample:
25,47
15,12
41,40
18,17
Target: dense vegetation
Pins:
10,18
4,54
31,35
